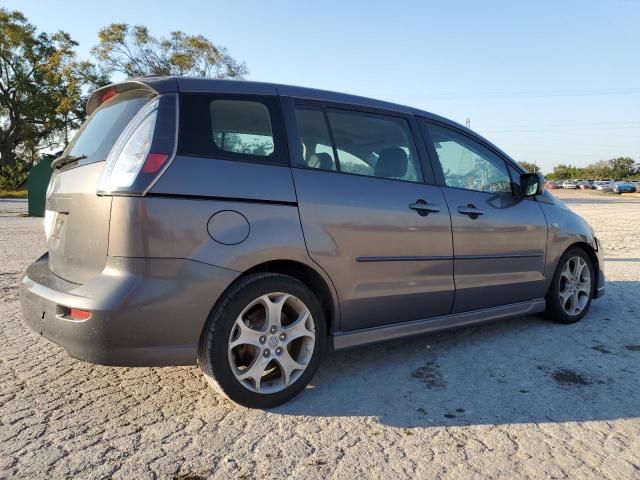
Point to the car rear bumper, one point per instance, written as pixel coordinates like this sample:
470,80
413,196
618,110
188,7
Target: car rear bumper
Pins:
145,312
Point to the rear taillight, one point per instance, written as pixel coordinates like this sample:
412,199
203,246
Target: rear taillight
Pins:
154,162
142,151
124,164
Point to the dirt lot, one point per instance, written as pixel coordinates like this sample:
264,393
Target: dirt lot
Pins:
513,399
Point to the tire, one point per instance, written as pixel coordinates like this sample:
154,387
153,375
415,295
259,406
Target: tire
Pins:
280,345
559,298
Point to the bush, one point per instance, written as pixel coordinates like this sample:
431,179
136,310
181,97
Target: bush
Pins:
13,176
13,193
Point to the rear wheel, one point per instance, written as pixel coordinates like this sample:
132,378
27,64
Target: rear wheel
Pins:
264,340
571,291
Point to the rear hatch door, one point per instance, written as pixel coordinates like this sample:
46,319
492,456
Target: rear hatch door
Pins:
77,219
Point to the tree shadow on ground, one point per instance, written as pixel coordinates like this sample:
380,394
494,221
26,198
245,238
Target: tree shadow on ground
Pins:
524,370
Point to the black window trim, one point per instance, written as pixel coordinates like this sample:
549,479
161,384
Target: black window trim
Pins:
336,157
435,162
280,156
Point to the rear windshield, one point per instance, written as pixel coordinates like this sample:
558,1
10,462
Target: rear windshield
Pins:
101,130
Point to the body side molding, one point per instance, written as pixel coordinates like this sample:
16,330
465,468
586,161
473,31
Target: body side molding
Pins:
418,327
456,257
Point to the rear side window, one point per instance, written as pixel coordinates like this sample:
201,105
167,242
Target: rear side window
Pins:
242,127
357,143
101,130
232,127
317,148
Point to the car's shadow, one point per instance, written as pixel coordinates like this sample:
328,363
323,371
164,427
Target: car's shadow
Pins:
524,370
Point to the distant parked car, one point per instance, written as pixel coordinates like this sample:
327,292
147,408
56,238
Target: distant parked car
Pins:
552,185
623,187
602,185
569,185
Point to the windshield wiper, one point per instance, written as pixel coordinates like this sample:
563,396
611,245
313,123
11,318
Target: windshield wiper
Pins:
60,161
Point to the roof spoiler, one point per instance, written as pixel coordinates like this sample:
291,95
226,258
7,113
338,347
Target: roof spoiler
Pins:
152,83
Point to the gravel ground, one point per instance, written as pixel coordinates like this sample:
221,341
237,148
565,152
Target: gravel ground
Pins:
514,399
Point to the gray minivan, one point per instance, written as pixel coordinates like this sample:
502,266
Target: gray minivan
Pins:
250,226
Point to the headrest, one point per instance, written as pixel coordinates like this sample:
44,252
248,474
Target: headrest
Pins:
325,162
392,163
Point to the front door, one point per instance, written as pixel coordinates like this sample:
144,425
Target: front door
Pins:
499,238
369,220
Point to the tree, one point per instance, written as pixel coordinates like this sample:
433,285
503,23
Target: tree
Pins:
600,169
562,172
530,167
622,167
133,52
42,92
616,168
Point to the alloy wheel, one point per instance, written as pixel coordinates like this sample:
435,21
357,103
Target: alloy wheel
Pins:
271,342
575,285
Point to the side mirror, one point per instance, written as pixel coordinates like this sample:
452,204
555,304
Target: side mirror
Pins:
531,184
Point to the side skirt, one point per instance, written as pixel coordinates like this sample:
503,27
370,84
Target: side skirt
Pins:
343,340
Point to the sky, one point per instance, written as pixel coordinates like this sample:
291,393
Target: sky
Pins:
547,81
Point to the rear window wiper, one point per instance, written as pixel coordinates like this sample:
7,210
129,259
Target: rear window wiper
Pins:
60,161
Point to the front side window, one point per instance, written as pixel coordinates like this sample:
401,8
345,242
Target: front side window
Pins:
467,164
232,127
357,143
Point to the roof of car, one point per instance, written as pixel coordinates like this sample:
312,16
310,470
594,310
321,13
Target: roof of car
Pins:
201,85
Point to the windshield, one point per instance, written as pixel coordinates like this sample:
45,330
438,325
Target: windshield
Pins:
101,130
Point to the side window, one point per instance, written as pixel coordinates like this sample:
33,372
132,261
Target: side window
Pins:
233,127
515,177
314,134
374,145
467,164
352,164
365,143
240,126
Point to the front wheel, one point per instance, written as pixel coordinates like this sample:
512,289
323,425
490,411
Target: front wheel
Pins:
572,288
263,341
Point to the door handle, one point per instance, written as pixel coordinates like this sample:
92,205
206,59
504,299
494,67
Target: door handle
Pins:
423,208
470,210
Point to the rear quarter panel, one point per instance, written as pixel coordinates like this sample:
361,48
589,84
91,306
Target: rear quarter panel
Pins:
207,177
172,220
170,227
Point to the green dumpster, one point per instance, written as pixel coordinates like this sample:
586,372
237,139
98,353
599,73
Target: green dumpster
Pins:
37,182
